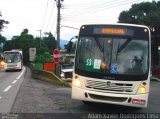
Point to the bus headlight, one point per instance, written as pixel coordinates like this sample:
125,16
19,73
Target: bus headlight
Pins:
142,89
76,82
2,63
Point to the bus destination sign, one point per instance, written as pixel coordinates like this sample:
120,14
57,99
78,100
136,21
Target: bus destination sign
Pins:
113,31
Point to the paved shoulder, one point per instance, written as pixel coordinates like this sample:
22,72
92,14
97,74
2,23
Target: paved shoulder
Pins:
36,96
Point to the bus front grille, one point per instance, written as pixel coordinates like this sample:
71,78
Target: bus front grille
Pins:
108,98
112,87
11,65
68,74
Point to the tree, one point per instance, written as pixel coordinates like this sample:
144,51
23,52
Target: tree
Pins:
24,41
43,55
2,22
24,32
2,25
2,41
145,13
49,42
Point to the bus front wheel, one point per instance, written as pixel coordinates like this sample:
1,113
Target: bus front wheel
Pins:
86,102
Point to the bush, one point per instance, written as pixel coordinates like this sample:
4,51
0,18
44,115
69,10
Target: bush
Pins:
66,61
45,57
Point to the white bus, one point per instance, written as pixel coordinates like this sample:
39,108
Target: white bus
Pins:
112,64
13,60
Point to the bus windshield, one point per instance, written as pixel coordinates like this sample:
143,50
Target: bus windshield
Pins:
113,55
12,57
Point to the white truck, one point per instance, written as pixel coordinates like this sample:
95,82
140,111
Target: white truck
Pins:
13,59
66,72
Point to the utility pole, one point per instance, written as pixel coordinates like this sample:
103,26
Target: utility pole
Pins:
58,22
40,38
58,32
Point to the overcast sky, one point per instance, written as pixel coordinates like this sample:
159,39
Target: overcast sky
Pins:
38,15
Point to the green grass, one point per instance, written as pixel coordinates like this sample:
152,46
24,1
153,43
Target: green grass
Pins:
38,66
66,84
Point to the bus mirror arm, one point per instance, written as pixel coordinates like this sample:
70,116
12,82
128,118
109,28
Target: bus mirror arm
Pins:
70,44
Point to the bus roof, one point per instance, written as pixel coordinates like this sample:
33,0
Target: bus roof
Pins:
127,30
118,24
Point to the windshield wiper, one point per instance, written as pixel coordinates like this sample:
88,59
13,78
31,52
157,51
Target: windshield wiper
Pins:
99,45
101,48
122,46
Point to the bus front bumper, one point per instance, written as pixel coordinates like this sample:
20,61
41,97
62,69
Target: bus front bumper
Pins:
12,68
137,100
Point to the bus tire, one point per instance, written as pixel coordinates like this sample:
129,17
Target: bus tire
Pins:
86,102
137,108
20,68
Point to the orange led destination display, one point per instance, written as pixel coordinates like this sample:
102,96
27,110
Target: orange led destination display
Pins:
113,31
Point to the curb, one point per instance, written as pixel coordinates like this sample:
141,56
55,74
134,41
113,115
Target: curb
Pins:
55,77
155,78
47,76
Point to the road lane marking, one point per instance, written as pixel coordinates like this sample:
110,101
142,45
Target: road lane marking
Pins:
14,81
0,97
7,89
21,74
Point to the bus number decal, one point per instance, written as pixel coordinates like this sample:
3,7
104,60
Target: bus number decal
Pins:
89,62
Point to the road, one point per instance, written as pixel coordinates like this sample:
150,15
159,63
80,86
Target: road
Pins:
39,97
10,83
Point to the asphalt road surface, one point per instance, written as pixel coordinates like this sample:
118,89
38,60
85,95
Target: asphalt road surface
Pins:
10,83
39,98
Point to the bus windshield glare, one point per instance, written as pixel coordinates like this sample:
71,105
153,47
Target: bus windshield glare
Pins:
12,57
113,55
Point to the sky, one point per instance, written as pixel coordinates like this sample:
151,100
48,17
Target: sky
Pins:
36,15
